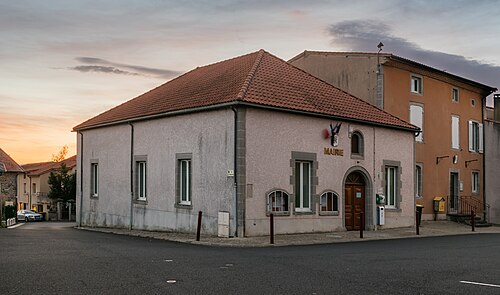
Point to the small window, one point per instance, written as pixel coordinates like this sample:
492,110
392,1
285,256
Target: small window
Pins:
185,181
141,179
94,180
416,84
473,102
418,181
455,95
277,202
391,186
24,187
475,182
357,145
329,202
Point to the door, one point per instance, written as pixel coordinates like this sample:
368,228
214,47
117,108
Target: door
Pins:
454,188
354,201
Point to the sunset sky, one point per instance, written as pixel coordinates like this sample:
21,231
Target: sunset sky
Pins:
63,62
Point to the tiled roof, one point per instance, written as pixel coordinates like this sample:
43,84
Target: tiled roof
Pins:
35,169
258,79
7,164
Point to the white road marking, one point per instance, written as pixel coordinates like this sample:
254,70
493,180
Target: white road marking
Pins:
17,225
480,284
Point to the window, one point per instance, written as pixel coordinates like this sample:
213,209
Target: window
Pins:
329,202
24,187
418,181
473,102
475,137
391,186
302,186
357,145
34,188
455,132
416,84
141,180
455,95
417,119
94,179
277,202
475,182
184,181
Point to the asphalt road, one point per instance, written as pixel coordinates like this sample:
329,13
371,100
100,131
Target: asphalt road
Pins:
54,258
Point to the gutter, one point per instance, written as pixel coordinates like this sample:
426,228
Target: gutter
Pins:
131,175
81,177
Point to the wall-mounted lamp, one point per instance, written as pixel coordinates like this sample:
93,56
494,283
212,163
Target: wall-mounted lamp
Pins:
439,158
455,159
468,162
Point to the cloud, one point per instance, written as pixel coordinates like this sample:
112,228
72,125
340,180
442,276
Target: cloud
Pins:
105,66
364,35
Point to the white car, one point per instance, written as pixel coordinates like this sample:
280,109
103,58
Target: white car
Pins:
28,215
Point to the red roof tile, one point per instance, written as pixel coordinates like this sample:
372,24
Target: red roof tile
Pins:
35,169
257,78
7,164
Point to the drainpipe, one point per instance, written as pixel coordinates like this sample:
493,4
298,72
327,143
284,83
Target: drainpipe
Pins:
30,194
235,171
483,105
131,175
81,177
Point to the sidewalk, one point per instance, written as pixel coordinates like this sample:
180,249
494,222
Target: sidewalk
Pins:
427,229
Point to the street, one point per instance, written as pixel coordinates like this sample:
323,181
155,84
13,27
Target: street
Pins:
55,258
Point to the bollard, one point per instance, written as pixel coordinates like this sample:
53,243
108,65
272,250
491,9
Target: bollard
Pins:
198,229
417,216
473,220
271,228
361,224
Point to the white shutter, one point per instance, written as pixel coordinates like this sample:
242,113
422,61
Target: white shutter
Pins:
471,136
480,136
417,119
455,132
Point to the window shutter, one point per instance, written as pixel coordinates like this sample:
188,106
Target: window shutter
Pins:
471,137
480,136
455,134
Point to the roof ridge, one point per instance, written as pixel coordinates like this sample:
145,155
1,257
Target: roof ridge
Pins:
248,81
11,159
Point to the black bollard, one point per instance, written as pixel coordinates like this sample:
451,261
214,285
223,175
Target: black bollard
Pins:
198,229
271,227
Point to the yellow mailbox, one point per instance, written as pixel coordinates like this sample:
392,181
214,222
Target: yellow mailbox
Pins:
438,204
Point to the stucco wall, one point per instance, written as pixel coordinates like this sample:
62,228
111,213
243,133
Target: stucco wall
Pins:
271,138
492,144
207,136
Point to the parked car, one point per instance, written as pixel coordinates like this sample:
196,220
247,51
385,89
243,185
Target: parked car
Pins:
28,215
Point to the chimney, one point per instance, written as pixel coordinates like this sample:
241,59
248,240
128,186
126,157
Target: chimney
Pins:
496,115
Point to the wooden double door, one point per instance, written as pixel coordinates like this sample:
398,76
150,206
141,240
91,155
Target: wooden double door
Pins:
354,201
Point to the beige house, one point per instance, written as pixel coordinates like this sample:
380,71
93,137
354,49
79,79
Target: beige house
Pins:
449,110
33,184
239,140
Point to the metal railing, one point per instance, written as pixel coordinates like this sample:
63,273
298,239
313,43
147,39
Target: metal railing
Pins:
464,205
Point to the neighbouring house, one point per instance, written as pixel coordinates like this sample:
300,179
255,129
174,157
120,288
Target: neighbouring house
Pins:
449,110
34,186
9,170
239,140
492,160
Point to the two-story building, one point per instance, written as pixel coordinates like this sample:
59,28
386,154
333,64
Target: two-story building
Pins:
239,140
449,110
34,186
9,170
492,160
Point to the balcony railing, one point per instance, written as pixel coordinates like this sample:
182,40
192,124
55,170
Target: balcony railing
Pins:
464,205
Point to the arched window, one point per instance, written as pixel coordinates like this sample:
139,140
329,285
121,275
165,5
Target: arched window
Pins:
277,202
357,145
329,202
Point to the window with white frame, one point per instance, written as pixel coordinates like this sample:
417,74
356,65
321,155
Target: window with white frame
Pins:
418,181
475,182
141,180
455,95
455,132
302,188
184,181
94,179
417,119
329,202
277,202
475,137
416,84
391,186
